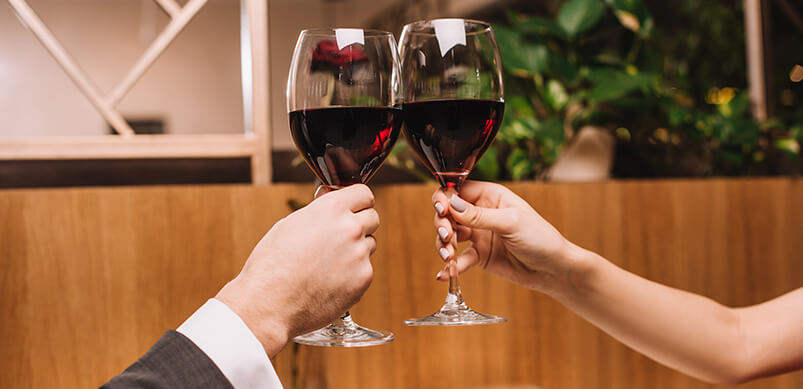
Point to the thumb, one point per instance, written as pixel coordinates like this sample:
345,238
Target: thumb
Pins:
470,215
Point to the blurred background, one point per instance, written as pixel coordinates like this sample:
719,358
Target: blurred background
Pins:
614,110
595,89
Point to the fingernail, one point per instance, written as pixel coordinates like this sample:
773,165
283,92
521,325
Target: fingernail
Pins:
458,204
438,276
444,253
443,233
439,208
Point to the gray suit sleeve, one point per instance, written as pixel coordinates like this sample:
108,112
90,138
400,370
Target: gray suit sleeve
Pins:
173,362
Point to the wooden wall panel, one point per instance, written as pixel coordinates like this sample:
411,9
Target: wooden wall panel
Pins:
92,277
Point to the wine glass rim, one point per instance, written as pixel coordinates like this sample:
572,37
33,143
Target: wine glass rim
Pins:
331,31
485,26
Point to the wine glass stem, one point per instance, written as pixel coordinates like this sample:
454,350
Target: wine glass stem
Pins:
343,323
455,296
454,300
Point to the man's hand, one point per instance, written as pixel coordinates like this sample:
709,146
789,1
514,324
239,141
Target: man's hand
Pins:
308,269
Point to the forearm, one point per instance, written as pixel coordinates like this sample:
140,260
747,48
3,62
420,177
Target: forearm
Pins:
682,330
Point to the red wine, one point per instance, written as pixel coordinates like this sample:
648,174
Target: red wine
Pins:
345,145
450,136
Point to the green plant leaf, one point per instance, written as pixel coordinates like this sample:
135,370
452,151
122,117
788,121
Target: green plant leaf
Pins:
617,85
488,166
519,164
559,65
679,115
578,16
740,105
744,131
518,106
555,95
537,26
517,128
599,74
789,145
520,57
551,136
796,132
633,15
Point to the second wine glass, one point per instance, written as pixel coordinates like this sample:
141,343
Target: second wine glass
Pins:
343,96
453,106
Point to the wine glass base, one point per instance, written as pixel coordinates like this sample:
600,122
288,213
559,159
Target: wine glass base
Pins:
340,336
455,317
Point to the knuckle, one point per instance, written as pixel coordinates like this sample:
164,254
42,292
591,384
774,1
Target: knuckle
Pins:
368,194
368,274
374,216
437,196
331,202
361,248
352,229
476,216
514,218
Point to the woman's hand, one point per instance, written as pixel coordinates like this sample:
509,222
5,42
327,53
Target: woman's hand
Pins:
508,237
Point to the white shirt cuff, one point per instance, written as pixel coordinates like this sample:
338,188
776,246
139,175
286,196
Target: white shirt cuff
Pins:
230,344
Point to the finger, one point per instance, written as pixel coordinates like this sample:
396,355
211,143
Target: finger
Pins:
472,191
445,249
494,219
369,220
443,227
371,242
356,197
463,233
440,201
466,260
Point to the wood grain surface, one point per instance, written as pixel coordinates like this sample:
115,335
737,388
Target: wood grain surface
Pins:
91,278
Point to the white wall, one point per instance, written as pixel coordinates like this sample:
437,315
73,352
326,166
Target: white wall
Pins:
194,86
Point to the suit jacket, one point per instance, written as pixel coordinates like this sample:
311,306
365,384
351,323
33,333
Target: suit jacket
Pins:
173,362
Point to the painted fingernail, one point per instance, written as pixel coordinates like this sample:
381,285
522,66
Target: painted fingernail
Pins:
438,276
458,204
439,209
444,253
443,233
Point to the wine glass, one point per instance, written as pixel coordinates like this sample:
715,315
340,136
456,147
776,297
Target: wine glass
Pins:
343,99
453,105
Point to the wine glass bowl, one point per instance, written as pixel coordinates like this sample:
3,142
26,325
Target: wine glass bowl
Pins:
343,102
453,106
454,96
343,96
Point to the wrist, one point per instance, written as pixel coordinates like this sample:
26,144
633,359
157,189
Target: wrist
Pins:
581,266
272,333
